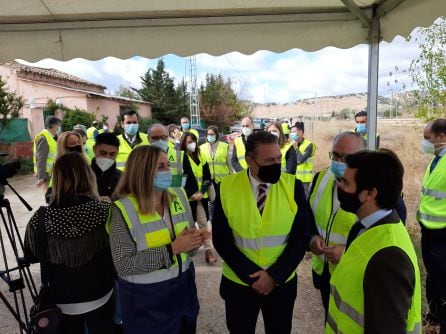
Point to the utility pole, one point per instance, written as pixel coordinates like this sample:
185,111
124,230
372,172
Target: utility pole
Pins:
194,103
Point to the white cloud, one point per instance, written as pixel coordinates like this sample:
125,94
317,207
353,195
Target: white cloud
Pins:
263,76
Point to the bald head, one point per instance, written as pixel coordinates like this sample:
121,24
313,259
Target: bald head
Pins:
157,131
348,143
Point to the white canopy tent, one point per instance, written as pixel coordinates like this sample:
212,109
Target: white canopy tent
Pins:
66,29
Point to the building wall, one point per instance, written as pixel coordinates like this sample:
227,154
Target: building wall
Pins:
110,107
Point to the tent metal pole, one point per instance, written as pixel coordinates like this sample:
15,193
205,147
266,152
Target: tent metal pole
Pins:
372,91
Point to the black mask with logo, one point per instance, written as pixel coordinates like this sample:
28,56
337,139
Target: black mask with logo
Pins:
77,149
349,201
269,173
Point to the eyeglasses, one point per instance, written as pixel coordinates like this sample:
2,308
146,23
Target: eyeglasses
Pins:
158,137
336,156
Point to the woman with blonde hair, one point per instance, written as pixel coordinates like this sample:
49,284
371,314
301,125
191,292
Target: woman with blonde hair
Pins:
151,234
78,257
289,156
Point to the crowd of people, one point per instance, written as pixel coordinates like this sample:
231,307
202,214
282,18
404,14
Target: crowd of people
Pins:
127,213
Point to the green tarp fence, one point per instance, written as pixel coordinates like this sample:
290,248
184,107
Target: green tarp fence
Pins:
16,130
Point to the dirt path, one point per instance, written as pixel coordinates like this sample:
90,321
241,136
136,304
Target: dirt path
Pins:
308,311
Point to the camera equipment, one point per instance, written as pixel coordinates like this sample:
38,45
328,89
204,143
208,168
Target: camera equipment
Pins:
17,276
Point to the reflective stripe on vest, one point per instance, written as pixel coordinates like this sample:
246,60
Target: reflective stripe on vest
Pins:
125,149
346,306
241,150
432,211
261,238
175,158
149,231
52,150
218,165
333,223
304,170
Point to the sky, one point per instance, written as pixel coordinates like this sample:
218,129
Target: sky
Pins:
264,76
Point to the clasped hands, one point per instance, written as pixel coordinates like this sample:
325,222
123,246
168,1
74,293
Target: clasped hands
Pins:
189,239
333,253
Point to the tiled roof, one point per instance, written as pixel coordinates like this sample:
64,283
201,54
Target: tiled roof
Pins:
53,74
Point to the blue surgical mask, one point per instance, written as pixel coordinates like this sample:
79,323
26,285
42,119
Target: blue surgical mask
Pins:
338,168
361,128
163,180
131,129
185,126
294,136
211,138
162,144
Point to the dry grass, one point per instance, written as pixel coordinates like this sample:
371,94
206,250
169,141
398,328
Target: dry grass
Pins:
405,141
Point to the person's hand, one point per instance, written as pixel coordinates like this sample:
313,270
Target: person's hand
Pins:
264,284
205,233
317,245
177,134
187,240
40,183
334,253
196,197
105,199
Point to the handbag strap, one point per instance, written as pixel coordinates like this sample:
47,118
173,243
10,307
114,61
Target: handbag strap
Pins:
43,247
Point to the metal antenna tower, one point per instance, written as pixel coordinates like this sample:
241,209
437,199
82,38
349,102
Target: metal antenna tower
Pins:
194,103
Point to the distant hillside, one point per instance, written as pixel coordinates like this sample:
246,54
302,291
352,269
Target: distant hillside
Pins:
324,106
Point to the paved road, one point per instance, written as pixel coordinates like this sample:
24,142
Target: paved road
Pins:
308,312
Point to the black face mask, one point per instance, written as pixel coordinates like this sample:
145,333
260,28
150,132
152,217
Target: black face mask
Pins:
77,148
349,201
269,173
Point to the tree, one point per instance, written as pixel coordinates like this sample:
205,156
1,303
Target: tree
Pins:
219,104
128,92
428,71
159,89
10,105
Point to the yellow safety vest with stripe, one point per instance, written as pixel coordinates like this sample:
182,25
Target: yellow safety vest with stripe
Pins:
90,132
175,158
218,161
285,128
346,306
241,150
90,141
333,223
150,231
284,151
261,238
197,169
432,210
52,150
125,149
193,131
304,171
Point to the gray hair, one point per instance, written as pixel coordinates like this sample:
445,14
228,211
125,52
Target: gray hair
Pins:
362,143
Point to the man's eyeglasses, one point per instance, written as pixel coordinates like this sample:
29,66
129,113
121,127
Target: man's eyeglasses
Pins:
336,156
158,137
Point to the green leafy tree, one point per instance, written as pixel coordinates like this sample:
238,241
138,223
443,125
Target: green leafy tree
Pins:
159,89
428,71
219,103
128,92
10,105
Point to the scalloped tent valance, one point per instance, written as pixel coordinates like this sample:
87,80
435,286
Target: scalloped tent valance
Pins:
37,29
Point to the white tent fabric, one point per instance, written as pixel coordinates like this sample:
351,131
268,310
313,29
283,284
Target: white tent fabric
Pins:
66,29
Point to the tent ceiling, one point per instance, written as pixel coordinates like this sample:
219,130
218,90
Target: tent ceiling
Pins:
36,29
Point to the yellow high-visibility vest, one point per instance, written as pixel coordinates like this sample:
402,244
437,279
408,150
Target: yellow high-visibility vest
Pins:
52,150
125,149
218,163
304,171
346,306
241,150
261,238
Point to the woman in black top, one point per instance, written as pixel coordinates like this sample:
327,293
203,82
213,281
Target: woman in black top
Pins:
78,248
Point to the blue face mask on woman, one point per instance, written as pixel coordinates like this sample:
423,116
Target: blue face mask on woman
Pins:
163,180
338,168
211,138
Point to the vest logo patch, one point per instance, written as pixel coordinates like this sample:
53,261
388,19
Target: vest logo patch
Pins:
171,158
177,206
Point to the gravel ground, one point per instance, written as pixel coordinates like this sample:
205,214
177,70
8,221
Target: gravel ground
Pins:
308,311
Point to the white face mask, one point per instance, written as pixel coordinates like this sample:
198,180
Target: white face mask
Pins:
191,147
104,163
247,131
427,147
